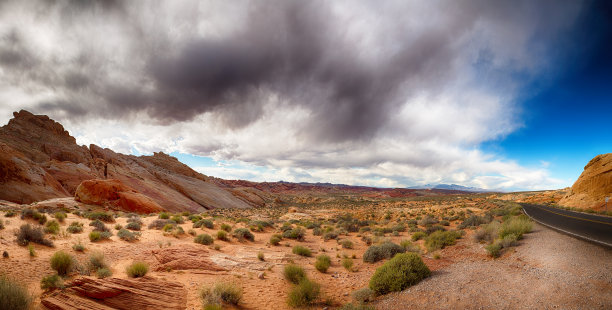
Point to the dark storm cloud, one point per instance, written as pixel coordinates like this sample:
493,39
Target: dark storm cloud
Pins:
296,50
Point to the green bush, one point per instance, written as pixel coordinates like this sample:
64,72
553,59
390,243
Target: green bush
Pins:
164,216
137,269
304,294
102,216
230,293
301,250
440,239
13,294
97,261
346,244
178,219
487,233
160,223
516,226
295,233
27,234
330,235
95,236
52,281
61,262
363,295
98,225
347,263
475,220
78,247
134,226
226,227
103,273
260,256
275,240
383,251
34,215
400,272
127,235
75,228
322,263
60,216
494,249
418,235
204,223
243,234
294,273
205,239
222,235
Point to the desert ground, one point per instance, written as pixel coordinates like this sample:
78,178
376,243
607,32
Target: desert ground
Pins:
544,269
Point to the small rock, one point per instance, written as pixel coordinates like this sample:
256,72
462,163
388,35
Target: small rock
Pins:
261,275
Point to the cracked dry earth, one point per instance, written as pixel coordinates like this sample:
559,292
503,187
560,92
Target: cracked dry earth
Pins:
548,270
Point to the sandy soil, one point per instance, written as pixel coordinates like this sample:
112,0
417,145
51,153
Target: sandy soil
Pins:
549,270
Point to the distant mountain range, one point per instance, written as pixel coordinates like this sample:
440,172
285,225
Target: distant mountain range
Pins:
454,187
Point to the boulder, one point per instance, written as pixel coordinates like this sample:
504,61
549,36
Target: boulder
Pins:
184,258
114,293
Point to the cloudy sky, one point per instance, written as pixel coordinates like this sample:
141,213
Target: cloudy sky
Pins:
494,94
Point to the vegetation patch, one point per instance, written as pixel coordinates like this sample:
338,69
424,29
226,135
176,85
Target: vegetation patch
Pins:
397,274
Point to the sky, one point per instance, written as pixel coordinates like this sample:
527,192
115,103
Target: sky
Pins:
500,95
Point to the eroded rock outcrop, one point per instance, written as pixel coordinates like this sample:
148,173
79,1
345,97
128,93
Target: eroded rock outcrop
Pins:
593,185
113,293
184,258
115,193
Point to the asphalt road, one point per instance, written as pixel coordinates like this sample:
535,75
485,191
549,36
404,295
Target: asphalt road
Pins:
590,227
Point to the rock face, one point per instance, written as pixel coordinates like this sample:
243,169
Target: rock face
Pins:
116,194
184,258
142,293
40,160
593,185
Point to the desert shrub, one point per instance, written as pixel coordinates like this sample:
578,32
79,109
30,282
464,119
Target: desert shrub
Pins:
275,240
103,273
102,216
98,225
516,226
118,226
52,227
227,292
428,220
363,295
31,250
10,213
205,239
226,227
418,235
178,219
346,244
51,281
294,273
400,272
296,233
494,249
127,235
304,294
61,262
204,223
367,240
260,256
242,234
164,216
301,250
509,241
13,294
322,263
432,229
317,231
75,228
475,220
409,246
330,235
222,235
134,219
60,216
133,226
97,261
487,233
440,239
1,225
444,223
137,269
95,236
78,247
27,234
350,306
194,218
34,215
160,223
168,227
347,263
383,251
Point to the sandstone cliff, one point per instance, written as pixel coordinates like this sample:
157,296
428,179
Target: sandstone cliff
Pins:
593,185
39,160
